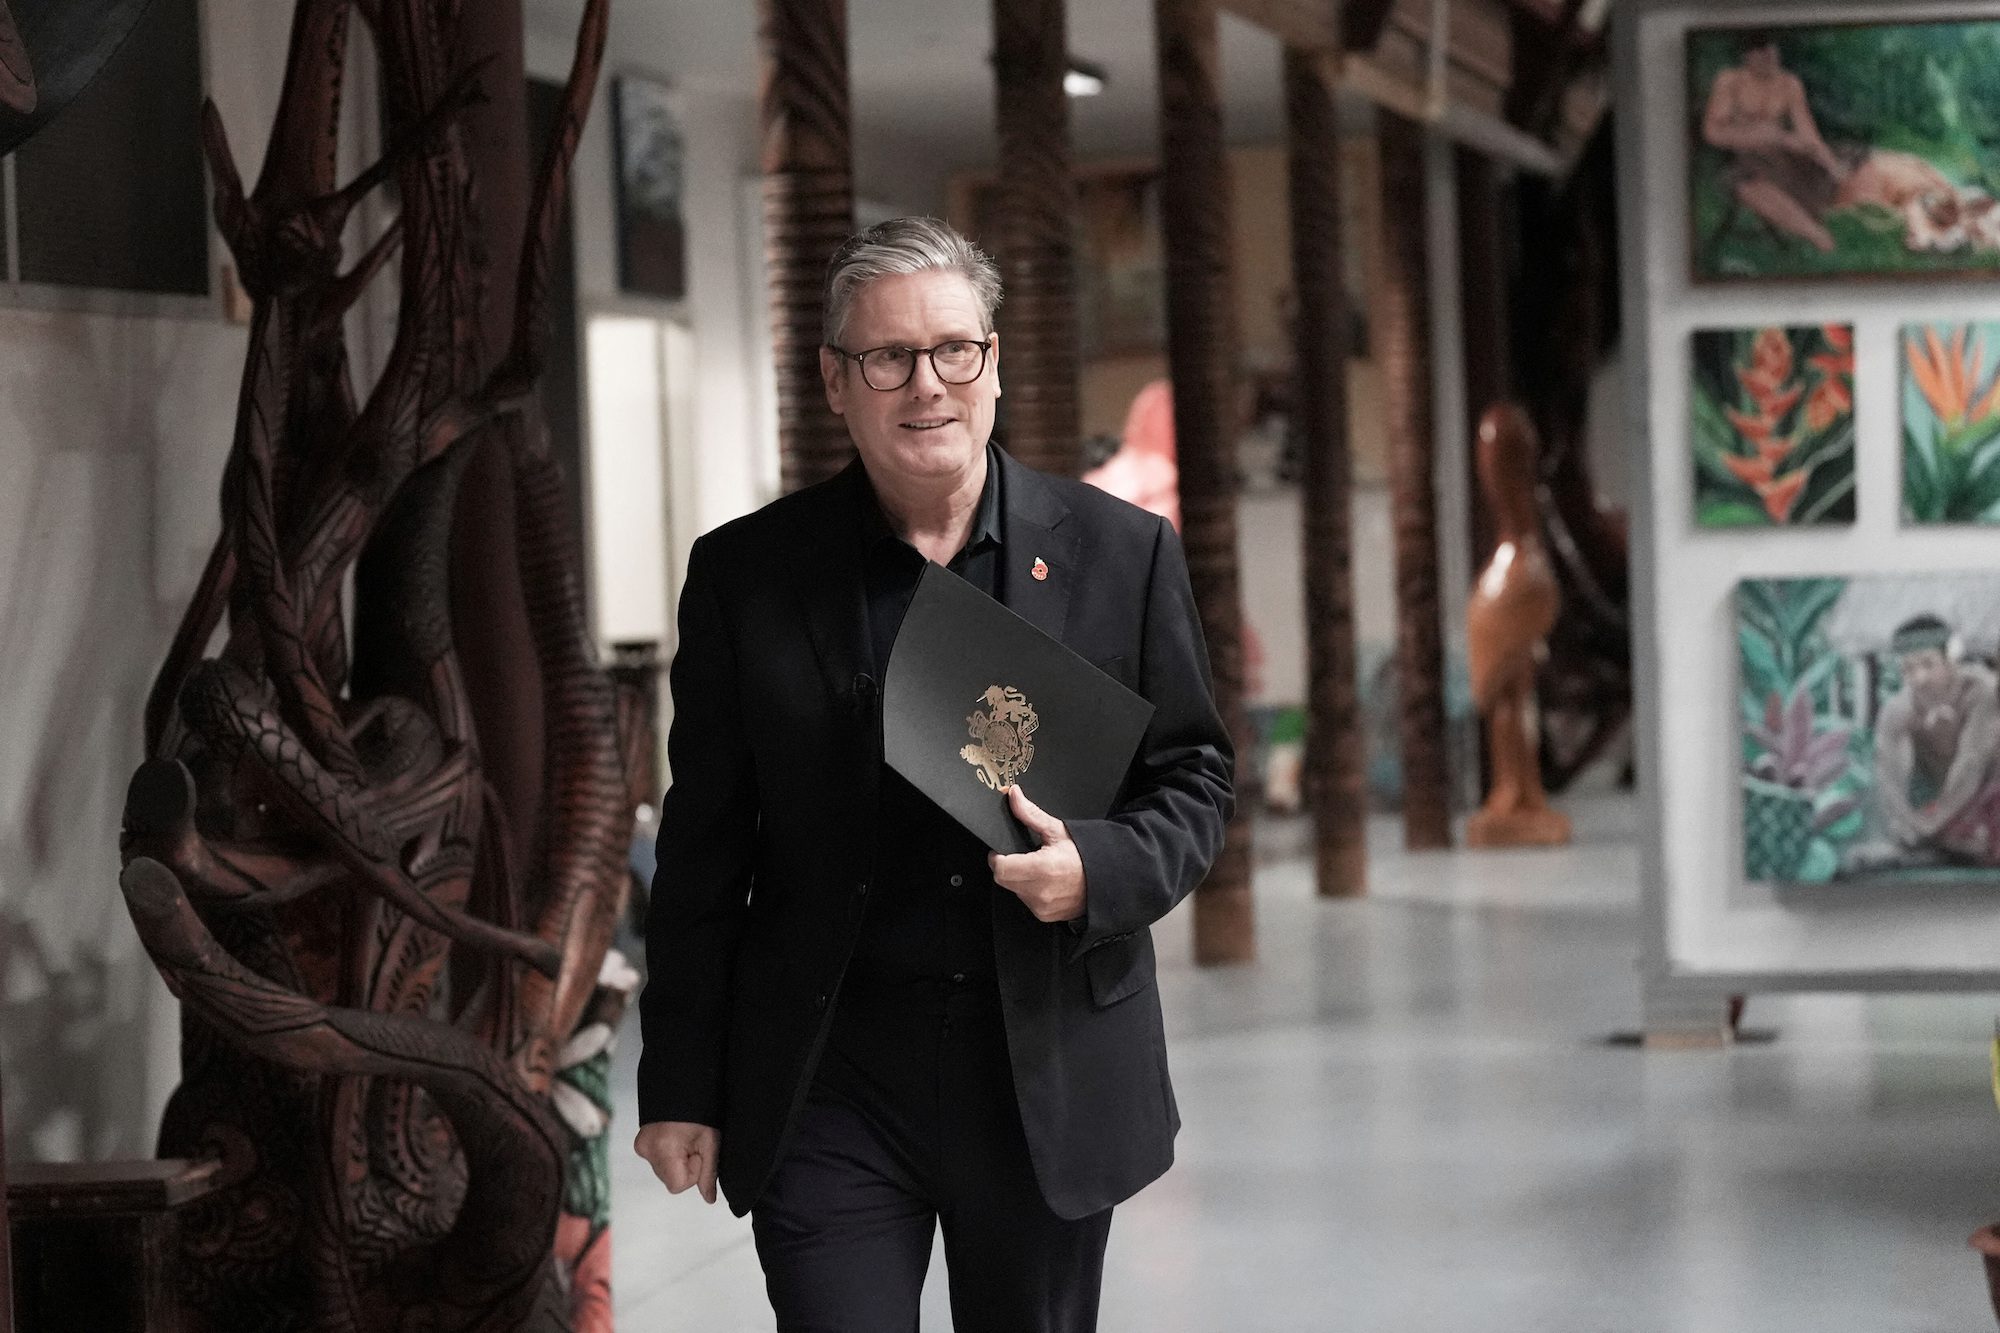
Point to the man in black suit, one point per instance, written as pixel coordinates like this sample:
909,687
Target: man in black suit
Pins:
861,1021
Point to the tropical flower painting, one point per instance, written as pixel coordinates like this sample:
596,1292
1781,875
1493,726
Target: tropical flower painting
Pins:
1869,716
1773,425
1951,423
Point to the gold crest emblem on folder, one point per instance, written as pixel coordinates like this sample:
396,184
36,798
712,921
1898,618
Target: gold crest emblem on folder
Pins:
1001,751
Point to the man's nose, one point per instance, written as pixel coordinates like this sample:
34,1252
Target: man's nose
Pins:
924,381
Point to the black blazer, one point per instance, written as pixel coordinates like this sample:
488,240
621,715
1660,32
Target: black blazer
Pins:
766,833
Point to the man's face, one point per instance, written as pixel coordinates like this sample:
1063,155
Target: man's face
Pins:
1928,673
1762,59
927,428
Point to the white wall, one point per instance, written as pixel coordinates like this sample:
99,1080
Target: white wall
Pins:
1714,922
1269,541
112,432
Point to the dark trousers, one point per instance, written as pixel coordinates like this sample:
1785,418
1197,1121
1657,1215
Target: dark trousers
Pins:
911,1124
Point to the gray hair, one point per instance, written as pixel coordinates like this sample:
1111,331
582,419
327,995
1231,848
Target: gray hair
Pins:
906,245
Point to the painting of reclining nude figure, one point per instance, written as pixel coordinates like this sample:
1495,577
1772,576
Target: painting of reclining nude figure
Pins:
1870,729
1844,149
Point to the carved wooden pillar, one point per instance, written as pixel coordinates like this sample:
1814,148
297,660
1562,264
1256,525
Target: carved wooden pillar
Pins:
6,1241
1037,212
1482,286
1402,319
489,611
1336,753
1194,201
808,212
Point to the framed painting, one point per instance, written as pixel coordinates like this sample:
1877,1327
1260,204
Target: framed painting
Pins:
1870,728
1121,307
1844,149
1772,425
1951,423
652,236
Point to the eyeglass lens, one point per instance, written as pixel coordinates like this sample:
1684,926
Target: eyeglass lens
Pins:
957,362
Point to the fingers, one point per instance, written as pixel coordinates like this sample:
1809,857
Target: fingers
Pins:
691,1168
682,1160
1037,820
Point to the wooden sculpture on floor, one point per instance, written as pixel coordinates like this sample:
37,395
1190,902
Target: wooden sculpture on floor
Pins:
1513,606
393,996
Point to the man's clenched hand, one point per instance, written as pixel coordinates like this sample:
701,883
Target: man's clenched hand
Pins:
681,1154
1050,878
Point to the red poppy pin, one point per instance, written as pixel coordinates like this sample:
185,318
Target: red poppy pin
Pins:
1041,569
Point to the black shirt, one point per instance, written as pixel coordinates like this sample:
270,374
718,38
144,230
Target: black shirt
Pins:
929,914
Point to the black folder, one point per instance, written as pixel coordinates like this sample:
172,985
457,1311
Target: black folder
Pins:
976,698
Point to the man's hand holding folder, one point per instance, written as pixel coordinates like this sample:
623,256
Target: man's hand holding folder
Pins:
1049,880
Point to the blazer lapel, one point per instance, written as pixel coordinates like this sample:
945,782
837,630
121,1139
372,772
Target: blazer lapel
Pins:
1036,532
833,598
833,592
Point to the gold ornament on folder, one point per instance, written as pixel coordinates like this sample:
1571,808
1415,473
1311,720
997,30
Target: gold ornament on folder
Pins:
1001,751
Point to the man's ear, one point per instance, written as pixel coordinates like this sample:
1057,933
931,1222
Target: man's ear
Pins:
830,375
993,362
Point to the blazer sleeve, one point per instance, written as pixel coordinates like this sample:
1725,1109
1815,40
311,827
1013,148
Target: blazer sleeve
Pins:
701,884
1151,852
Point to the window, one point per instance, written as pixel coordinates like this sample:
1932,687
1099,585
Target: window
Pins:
111,194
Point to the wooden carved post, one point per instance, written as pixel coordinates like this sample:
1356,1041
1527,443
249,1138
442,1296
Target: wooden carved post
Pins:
488,610
1194,198
1483,287
6,1228
808,212
1403,320
391,994
1037,212
1336,755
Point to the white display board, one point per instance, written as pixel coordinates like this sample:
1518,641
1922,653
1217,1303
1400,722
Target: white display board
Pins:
1708,930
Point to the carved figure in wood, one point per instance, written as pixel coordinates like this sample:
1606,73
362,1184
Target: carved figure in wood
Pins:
1513,607
380,979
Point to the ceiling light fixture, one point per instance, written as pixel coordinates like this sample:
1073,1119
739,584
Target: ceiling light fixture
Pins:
1083,79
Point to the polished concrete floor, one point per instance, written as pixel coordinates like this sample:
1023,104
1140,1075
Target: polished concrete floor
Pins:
1406,1118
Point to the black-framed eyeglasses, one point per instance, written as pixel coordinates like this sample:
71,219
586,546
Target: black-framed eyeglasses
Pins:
955,361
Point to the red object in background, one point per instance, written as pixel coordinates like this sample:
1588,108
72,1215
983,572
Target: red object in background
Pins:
1146,470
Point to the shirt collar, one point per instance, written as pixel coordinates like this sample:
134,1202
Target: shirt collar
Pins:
985,520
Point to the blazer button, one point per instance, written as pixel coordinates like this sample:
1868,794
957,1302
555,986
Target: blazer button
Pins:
819,1002
861,888
957,880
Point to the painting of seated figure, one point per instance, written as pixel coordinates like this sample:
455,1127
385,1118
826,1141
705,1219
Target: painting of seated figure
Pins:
1870,728
1843,149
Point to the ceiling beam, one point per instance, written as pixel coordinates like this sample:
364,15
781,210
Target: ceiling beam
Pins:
1309,25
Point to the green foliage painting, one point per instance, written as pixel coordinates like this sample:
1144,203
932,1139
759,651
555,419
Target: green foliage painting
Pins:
1772,413
1951,423
1869,729
1844,149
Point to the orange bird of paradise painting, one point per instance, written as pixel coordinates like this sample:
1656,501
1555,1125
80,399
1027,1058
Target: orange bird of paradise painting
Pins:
1951,423
1773,426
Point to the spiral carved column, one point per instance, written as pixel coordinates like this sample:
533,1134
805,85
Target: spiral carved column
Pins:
1336,756
1036,238
808,212
1403,320
1194,198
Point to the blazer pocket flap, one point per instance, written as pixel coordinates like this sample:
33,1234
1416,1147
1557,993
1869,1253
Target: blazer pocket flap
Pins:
1118,667
1119,967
